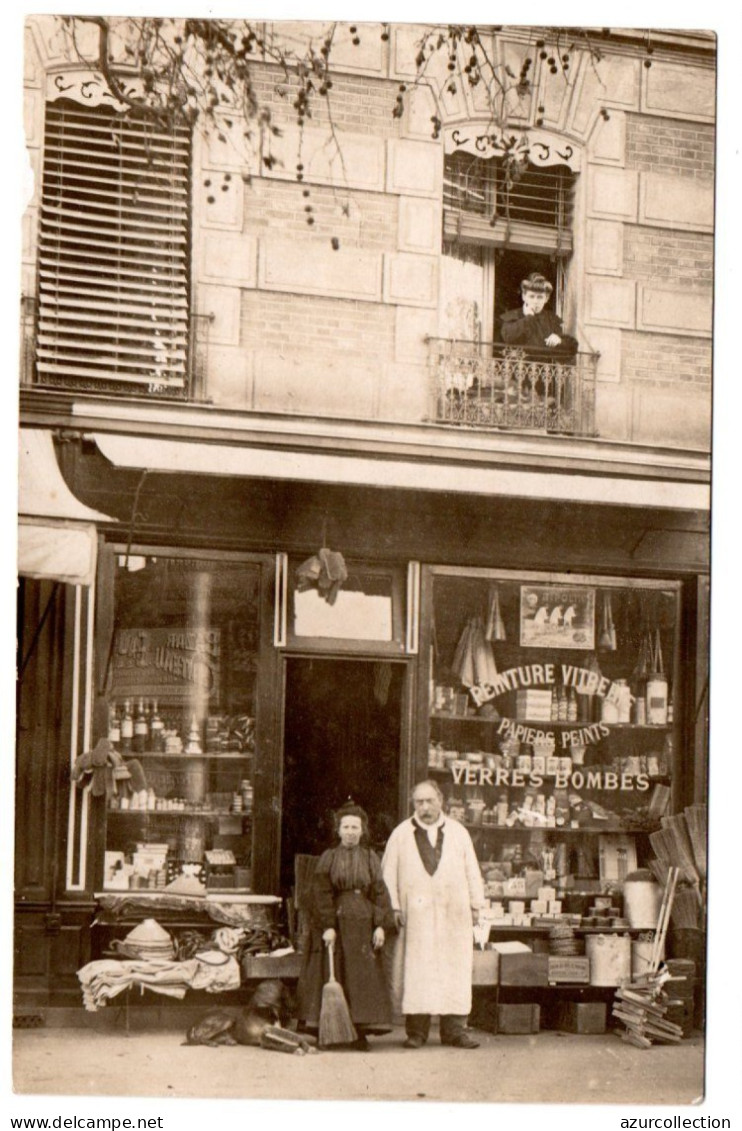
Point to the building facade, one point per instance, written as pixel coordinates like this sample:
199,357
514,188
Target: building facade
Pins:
238,357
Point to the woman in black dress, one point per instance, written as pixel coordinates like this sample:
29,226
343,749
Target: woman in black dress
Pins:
350,907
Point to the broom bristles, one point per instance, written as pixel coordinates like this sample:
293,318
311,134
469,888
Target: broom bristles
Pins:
335,1024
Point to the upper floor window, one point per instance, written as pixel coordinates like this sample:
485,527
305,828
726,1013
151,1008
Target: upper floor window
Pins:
537,200
507,212
113,303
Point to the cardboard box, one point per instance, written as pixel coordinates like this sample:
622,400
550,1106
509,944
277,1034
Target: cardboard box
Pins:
518,1017
533,698
569,968
581,1016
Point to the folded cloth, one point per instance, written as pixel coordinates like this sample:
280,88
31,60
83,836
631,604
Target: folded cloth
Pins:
325,570
104,979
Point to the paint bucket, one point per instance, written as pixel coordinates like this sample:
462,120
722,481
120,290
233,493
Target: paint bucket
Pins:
610,959
641,956
642,897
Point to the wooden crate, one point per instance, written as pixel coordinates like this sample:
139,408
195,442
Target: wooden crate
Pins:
524,970
265,966
581,1016
574,969
485,968
518,1017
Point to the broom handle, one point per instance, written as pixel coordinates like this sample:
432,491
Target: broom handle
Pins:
330,953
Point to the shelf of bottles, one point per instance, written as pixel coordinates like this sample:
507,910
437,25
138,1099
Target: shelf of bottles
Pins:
550,714
181,720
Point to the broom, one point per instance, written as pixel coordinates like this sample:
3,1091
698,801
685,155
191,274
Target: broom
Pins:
335,1025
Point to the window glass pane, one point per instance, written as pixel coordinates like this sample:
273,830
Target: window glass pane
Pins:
181,682
362,609
552,707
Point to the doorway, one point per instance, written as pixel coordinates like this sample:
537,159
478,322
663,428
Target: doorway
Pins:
342,738
511,268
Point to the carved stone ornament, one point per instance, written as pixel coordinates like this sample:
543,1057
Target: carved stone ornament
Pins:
541,147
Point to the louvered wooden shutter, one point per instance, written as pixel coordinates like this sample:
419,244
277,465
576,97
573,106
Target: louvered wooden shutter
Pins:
114,250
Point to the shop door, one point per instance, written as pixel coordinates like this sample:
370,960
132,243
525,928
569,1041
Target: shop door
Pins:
342,738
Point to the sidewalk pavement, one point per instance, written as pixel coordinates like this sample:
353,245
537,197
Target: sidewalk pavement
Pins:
547,1067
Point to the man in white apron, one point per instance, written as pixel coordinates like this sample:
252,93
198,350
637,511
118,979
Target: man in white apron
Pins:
433,877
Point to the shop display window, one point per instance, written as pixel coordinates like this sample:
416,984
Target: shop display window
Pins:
180,679
552,703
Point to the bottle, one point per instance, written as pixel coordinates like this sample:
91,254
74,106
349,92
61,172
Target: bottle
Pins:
114,726
127,727
141,730
554,705
572,706
156,729
562,705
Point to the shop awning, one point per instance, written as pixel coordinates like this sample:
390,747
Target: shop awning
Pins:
57,538
194,457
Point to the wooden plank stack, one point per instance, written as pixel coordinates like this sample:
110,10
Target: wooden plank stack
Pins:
642,1004
641,1009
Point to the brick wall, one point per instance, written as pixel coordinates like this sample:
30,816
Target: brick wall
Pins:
675,257
665,145
357,103
278,207
291,323
666,358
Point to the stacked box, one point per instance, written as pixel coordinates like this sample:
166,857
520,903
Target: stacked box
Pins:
680,1007
484,1010
581,1016
484,972
569,968
533,705
518,1017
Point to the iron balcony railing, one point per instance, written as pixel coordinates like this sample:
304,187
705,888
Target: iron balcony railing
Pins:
490,386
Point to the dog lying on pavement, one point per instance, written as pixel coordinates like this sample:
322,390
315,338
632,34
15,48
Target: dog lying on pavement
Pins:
260,1024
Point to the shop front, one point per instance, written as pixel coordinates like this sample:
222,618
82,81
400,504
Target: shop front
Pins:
265,648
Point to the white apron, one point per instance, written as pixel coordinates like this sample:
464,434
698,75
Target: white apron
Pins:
432,962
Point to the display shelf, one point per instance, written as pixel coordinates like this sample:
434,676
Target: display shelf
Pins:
207,813
513,929
560,829
181,756
574,724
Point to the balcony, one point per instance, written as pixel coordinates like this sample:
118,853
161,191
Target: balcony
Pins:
490,386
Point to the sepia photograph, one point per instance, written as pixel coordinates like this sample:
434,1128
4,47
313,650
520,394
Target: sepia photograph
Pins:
363,605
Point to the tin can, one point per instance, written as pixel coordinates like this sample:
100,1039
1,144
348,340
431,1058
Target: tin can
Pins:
657,700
